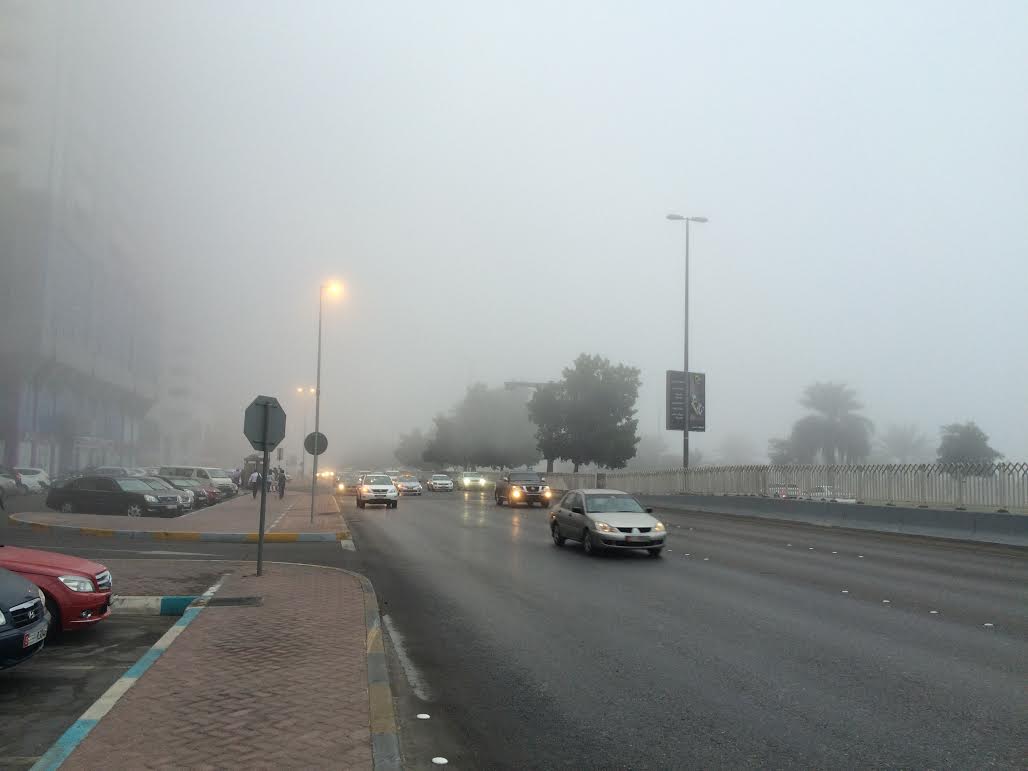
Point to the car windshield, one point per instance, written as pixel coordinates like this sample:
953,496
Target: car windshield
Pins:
525,478
440,476
608,504
158,484
216,473
377,479
134,485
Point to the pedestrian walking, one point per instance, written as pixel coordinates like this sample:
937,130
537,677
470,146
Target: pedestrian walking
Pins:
281,483
255,481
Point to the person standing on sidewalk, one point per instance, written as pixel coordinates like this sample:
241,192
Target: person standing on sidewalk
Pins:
281,483
255,481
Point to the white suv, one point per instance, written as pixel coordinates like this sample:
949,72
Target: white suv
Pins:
377,489
35,480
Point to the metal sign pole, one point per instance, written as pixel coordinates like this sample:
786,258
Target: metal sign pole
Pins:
264,496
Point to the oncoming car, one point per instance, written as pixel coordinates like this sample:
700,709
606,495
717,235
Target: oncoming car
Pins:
528,487
606,519
438,482
408,484
470,480
377,489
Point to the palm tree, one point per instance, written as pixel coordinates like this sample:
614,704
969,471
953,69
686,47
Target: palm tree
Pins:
835,431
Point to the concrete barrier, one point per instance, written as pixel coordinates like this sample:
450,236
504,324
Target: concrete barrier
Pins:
985,527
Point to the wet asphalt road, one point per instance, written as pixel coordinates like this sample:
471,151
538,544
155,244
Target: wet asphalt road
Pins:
750,644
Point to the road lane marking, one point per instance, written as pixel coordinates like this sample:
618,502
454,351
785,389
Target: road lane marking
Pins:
987,624
422,716
414,678
934,612
885,602
845,591
440,761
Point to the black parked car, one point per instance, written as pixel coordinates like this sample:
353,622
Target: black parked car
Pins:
23,619
192,485
131,496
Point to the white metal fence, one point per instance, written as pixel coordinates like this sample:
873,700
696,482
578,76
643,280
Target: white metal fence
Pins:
979,485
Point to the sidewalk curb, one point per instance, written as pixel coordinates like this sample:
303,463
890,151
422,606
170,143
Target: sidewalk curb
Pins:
153,605
59,752
183,535
385,737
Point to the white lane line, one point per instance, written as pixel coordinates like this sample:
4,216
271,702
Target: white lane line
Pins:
934,612
422,716
835,552
348,545
414,678
860,556
845,591
988,624
886,602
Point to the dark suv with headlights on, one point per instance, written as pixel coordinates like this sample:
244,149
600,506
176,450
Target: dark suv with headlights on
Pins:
522,487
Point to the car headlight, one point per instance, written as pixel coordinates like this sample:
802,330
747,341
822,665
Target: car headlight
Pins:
603,527
547,492
481,482
340,487
365,489
42,597
515,492
77,583
2,619
659,528
149,499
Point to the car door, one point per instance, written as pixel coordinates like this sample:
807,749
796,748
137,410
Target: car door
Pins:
83,495
108,496
571,523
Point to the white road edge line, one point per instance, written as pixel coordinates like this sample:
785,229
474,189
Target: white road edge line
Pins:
414,678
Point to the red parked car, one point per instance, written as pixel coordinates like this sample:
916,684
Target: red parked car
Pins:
78,591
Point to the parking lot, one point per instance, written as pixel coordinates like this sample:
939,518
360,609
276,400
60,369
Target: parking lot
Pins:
42,697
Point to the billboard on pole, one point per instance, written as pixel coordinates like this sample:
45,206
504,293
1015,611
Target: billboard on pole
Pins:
686,401
674,411
697,401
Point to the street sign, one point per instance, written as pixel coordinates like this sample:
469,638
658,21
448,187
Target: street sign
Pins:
686,403
315,443
675,407
264,423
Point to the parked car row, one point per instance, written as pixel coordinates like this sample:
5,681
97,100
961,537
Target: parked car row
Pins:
43,594
23,480
166,495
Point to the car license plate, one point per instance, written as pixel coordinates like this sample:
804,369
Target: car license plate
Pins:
636,538
31,638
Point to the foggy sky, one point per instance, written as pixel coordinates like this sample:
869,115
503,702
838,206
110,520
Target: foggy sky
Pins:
490,183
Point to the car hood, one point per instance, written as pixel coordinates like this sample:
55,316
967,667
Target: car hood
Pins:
47,563
15,590
624,519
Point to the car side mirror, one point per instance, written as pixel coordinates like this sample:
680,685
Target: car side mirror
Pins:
649,509
577,510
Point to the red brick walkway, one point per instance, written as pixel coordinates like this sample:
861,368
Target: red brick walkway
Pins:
280,685
238,515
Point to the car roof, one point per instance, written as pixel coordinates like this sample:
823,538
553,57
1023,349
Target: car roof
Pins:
599,491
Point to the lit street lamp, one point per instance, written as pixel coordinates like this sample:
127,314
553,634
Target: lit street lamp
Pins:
688,381
335,289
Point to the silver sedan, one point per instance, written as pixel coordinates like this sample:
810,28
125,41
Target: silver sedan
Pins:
606,519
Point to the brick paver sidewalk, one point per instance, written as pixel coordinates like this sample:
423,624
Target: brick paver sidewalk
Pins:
238,515
279,685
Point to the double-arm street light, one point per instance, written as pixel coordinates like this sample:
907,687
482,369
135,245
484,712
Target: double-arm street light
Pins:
334,288
688,380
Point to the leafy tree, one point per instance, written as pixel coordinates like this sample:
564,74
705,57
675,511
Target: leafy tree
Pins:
599,424
905,444
411,449
835,431
490,427
965,443
547,410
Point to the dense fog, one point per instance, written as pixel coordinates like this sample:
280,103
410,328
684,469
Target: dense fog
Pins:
490,184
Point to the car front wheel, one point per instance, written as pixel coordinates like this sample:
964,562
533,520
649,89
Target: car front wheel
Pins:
67,508
134,510
587,543
555,534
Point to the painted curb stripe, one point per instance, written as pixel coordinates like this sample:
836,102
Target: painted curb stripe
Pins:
385,742
185,535
54,757
170,605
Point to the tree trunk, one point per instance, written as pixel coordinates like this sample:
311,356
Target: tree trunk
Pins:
549,465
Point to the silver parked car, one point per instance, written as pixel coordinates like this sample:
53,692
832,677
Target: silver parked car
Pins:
606,519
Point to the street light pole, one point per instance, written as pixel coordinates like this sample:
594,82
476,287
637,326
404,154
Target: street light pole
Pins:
317,404
685,349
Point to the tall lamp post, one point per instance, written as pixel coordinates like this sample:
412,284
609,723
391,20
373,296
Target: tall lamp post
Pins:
334,288
688,381
303,453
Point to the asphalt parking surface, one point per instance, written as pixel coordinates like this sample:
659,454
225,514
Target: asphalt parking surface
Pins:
42,697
